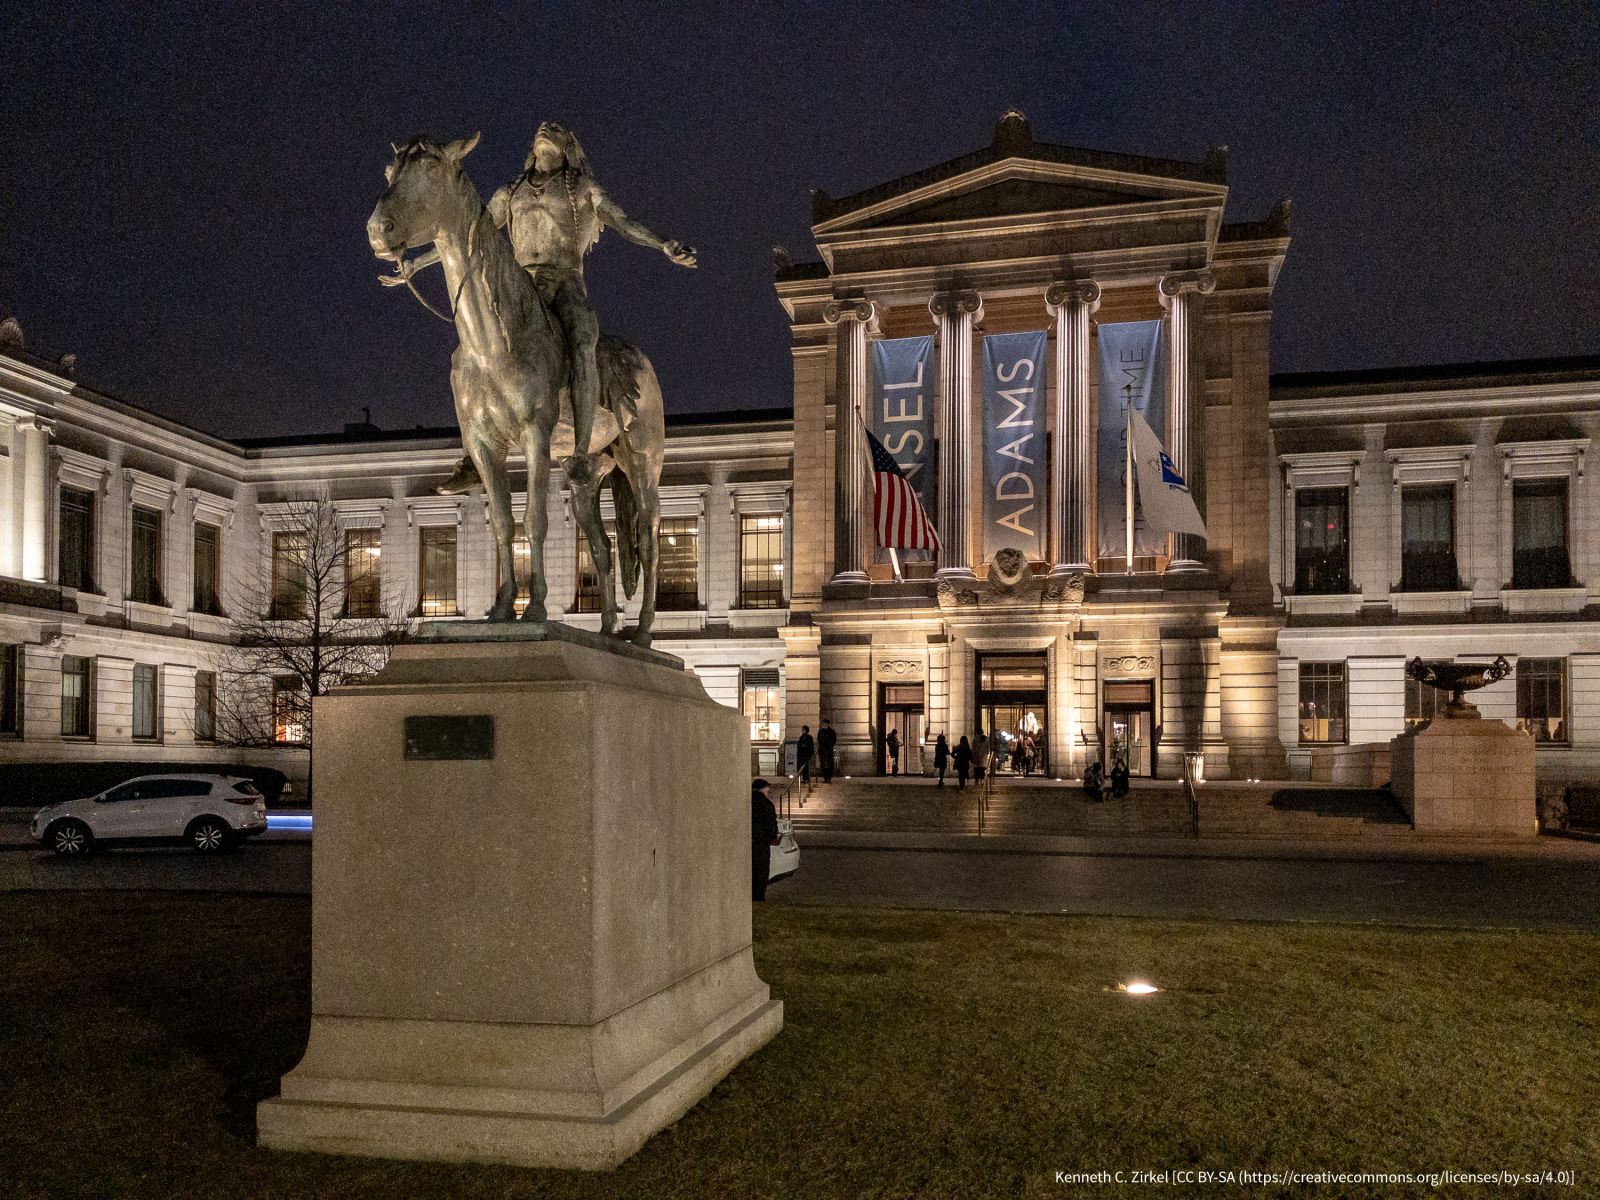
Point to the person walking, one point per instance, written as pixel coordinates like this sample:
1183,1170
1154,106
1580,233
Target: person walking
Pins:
827,739
763,832
803,751
941,756
892,744
980,757
963,757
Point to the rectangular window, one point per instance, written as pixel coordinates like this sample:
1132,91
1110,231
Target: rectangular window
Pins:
1321,541
1542,700
678,559
144,702
363,573
1428,539
288,577
76,541
587,598
761,705
1322,703
438,570
205,706
146,556
77,701
291,712
1539,534
10,690
1423,702
761,562
207,569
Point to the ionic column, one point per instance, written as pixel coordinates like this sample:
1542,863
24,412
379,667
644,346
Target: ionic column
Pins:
35,496
852,318
954,314
1180,295
1072,304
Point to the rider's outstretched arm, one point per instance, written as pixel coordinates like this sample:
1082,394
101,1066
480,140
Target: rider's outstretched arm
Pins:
608,211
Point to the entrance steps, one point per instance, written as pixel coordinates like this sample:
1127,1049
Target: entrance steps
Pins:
1153,808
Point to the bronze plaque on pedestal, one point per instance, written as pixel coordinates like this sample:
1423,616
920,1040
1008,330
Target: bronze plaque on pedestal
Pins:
448,737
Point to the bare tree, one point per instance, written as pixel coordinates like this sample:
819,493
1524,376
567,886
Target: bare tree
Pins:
311,615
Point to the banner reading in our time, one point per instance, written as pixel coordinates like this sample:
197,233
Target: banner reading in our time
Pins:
902,414
1014,454
1131,372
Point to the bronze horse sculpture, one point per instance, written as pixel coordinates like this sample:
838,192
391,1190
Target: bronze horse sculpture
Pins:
509,375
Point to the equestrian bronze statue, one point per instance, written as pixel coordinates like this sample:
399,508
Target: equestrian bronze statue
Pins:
515,371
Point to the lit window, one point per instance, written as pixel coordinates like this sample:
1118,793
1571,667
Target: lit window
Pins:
1428,539
1542,699
761,705
207,569
438,571
75,542
1539,534
761,561
1321,541
1322,703
291,712
77,700
678,565
144,702
363,573
587,597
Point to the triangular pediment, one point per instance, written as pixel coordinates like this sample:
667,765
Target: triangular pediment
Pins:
1013,198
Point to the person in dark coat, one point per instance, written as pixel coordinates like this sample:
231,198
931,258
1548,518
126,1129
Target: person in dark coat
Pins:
963,757
827,739
1119,779
763,832
941,756
1094,781
892,744
803,751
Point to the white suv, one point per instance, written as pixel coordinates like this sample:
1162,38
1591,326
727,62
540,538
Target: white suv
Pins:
209,812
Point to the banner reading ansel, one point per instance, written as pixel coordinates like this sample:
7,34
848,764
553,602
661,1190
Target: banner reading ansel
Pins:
1014,454
1131,372
902,413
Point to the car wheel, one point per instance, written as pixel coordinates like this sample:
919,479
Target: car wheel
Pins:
209,835
70,839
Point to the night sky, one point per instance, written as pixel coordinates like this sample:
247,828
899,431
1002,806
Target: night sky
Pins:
182,197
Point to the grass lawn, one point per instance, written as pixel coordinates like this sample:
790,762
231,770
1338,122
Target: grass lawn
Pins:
923,1054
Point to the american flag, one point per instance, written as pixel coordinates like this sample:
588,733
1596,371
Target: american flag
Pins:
897,513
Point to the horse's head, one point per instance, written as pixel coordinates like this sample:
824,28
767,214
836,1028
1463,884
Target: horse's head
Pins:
426,191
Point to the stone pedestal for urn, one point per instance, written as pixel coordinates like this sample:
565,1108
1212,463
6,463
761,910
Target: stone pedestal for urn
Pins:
1466,775
530,906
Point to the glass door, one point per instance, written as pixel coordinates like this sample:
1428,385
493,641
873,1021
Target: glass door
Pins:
900,711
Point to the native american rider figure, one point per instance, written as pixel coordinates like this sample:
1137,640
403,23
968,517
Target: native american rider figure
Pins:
553,213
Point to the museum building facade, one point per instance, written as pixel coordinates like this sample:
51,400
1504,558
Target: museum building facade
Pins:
1355,519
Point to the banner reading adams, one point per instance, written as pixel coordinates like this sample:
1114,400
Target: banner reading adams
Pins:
1014,447
902,414
1131,372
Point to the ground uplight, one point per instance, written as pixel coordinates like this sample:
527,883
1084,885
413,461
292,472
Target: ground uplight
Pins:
1138,987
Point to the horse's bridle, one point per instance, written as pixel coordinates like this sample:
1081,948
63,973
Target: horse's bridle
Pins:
400,270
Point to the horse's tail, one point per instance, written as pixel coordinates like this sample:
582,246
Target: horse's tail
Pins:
629,533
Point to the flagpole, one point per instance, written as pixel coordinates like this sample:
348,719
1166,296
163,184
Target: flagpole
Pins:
1127,470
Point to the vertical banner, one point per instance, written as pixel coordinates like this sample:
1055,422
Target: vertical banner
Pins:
902,414
1132,372
1015,503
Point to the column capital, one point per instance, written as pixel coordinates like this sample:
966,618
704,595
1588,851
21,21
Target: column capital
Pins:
1185,283
835,311
34,423
955,303
1072,291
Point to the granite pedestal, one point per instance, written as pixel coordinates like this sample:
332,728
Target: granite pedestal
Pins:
1466,775
539,957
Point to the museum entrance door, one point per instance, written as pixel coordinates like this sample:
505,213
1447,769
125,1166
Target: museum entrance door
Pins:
1130,726
900,708
1013,699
